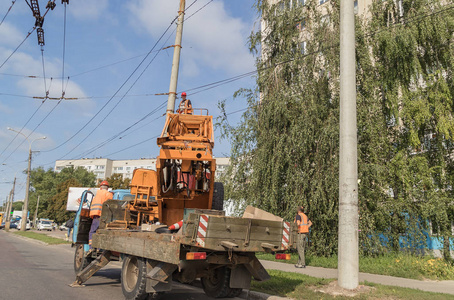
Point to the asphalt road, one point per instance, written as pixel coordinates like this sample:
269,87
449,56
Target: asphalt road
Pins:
30,269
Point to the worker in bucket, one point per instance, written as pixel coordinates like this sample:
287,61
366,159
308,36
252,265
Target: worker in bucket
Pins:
185,106
102,195
303,223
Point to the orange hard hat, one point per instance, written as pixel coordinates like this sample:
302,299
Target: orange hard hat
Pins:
183,94
104,183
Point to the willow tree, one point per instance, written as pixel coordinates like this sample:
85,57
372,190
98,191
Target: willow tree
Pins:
413,50
285,149
284,152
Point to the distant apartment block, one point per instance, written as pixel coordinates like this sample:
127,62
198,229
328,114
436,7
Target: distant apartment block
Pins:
104,167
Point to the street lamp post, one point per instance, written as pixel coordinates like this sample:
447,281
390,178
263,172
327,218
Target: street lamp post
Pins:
23,226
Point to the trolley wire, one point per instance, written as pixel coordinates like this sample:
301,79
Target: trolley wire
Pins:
17,48
133,84
111,98
408,20
9,9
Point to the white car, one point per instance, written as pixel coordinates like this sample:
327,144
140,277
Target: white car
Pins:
45,225
27,226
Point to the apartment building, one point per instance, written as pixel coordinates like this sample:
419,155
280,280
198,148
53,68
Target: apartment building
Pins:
104,167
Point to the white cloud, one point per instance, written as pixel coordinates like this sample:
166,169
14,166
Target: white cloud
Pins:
87,9
5,109
10,35
211,38
34,137
25,64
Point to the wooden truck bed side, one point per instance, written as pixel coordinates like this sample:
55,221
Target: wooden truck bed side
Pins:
220,233
152,245
206,232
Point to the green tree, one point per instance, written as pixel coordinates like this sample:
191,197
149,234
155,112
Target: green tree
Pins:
285,149
413,50
52,187
116,181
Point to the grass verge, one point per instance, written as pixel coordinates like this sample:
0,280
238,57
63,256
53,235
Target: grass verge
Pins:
398,265
299,286
42,237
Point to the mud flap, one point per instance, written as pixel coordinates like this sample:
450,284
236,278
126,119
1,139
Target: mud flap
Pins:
257,270
240,277
159,276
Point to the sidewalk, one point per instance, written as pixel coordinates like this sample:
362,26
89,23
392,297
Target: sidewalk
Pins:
446,286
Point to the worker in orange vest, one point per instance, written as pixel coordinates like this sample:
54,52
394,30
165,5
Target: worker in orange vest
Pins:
185,106
304,224
102,195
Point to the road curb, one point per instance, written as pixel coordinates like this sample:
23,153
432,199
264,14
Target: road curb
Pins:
26,238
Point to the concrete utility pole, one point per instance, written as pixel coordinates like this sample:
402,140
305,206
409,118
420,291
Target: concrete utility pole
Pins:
27,187
176,60
348,260
23,222
10,205
36,213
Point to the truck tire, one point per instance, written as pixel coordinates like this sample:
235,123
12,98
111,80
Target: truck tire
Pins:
134,278
218,196
217,284
80,261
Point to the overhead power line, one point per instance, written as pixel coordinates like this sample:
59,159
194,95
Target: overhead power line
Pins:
9,9
129,147
17,48
132,85
111,98
102,144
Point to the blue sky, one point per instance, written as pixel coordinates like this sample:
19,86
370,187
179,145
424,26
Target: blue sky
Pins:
105,41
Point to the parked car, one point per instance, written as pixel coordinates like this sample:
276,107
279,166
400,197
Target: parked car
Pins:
11,225
27,226
63,227
45,225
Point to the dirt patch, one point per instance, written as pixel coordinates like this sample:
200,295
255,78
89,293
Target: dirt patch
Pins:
334,289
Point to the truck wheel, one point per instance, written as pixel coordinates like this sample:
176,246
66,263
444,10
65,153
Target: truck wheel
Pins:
80,261
134,278
218,196
217,283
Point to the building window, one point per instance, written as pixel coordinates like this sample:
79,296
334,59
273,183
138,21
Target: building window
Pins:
323,1
128,168
99,167
355,5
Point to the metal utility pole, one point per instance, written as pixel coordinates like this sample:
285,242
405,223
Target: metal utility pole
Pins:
348,259
36,213
176,60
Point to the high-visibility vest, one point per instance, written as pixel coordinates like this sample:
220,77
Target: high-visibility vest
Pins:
303,225
185,107
98,200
